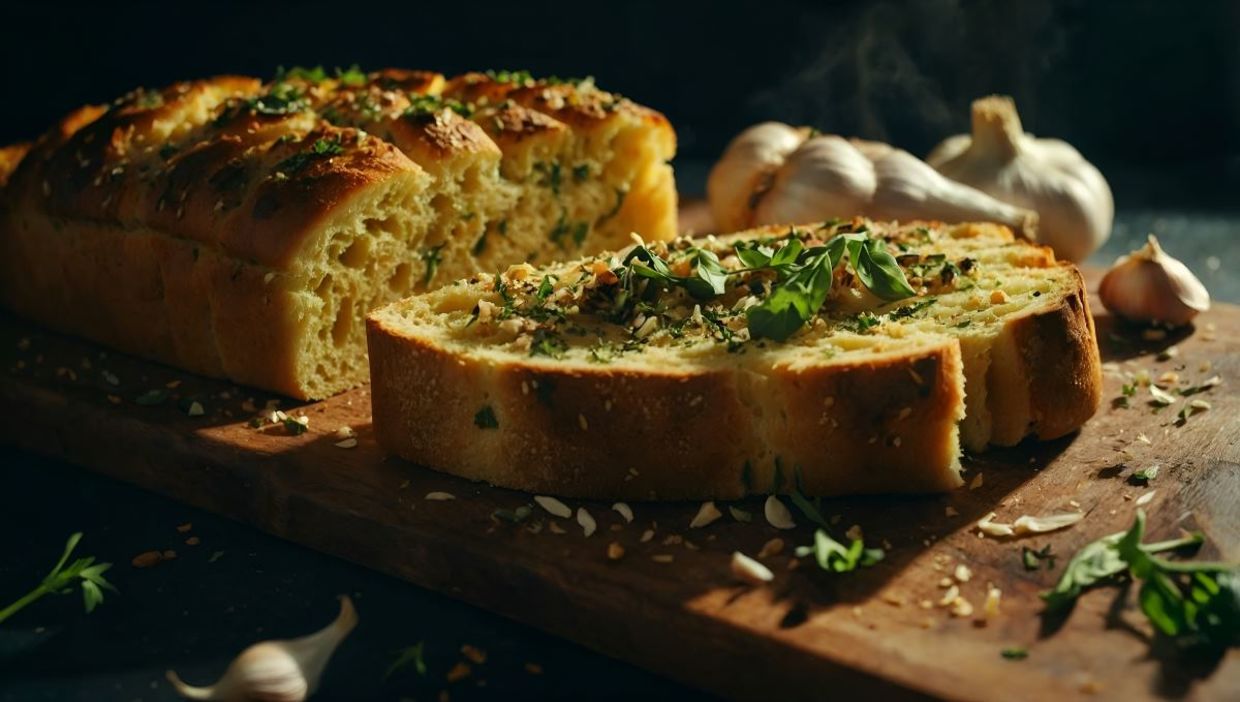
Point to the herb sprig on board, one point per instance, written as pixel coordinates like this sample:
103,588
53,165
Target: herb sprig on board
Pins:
1194,603
84,571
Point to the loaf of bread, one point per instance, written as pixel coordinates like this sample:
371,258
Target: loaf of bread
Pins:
243,229
604,378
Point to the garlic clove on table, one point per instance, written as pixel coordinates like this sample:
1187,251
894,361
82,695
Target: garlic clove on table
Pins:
276,671
1073,201
1149,285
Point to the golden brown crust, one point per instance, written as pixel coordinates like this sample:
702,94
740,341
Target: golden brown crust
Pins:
187,224
10,156
722,434
1059,351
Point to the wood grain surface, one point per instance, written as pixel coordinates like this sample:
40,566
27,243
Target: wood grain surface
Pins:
809,635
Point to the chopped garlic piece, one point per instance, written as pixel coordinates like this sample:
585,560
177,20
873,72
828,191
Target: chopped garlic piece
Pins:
706,515
777,514
586,520
749,571
553,506
624,510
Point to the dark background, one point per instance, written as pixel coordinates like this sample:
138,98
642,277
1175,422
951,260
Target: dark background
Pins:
1148,91
1137,86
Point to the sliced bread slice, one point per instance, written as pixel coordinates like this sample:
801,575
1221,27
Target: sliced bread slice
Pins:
742,364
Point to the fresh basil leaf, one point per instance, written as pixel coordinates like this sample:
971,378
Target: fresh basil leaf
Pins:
753,255
879,273
1162,604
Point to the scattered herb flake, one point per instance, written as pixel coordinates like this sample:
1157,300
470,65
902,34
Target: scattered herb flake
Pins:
485,418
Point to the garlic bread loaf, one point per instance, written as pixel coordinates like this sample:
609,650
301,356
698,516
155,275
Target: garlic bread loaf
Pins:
847,357
243,229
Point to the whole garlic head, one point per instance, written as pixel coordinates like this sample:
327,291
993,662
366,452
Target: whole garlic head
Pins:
754,155
276,671
1073,201
773,173
1148,285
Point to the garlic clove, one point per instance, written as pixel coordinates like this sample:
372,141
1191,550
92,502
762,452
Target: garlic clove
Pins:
826,177
1150,286
746,169
276,671
908,188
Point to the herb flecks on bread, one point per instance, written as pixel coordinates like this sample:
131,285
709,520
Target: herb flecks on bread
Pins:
243,229
848,351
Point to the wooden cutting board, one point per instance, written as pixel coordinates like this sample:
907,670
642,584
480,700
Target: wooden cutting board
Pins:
810,635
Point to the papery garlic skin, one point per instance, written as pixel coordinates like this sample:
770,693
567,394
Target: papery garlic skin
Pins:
1150,286
1073,201
772,173
276,671
749,163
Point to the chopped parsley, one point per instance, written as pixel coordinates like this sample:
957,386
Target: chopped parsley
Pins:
280,99
1014,653
521,77
580,173
1032,559
1143,476
548,343
321,147
432,256
485,418
423,105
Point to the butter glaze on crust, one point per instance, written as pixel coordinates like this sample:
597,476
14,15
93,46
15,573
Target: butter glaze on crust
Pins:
243,229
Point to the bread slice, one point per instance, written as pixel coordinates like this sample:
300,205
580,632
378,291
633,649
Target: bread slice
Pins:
243,229
552,380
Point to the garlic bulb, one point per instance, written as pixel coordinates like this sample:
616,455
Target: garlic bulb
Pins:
772,173
276,671
1148,285
1072,199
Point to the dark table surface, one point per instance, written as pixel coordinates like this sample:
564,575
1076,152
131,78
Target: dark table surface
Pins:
239,586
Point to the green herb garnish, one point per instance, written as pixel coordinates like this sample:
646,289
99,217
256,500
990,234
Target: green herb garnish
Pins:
805,281
514,77
353,76
411,655
545,287
1033,559
833,556
1143,476
485,418
1193,602
432,256
1014,653
84,571
422,105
